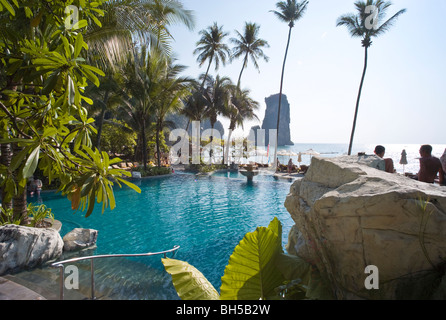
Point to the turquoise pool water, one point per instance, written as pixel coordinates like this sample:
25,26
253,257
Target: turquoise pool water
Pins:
206,216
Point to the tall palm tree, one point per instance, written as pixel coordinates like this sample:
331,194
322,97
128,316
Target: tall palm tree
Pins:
359,25
289,12
249,45
211,48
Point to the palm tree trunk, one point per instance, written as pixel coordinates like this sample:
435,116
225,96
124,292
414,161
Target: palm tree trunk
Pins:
243,69
280,99
207,72
357,102
228,147
158,150
144,144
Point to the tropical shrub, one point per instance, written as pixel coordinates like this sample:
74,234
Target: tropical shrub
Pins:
35,218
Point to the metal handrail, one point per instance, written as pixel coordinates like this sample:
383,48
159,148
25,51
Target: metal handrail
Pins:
61,265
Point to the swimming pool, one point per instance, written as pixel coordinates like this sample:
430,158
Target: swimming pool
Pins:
207,216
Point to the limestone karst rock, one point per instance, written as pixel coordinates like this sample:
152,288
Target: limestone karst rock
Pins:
270,120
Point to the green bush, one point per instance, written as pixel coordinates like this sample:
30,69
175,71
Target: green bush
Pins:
153,171
36,216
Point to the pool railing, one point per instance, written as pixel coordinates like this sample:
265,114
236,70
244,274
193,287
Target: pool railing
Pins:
61,266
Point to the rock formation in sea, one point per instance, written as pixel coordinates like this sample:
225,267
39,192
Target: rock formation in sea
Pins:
270,120
350,215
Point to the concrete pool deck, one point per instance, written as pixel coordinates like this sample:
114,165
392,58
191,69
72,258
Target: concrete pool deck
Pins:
10,290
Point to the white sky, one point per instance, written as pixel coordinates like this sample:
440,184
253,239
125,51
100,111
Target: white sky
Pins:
404,96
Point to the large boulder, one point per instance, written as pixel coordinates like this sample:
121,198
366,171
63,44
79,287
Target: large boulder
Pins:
26,248
350,215
80,239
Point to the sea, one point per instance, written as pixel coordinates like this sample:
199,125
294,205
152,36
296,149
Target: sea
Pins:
393,151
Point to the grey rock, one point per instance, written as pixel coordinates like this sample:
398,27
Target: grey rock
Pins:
24,248
79,239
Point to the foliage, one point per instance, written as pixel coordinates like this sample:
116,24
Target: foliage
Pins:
211,47
118,138
43,107
249,45
7,217
36,215
153,171
257,269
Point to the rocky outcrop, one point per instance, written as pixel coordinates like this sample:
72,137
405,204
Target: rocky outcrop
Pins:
270,120
79,239
350,215
26,248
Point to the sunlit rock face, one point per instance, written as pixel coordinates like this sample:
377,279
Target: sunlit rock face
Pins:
350,214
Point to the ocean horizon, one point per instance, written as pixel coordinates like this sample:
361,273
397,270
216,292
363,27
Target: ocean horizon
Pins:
393,151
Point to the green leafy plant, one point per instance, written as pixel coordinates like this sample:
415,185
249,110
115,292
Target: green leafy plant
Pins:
7,217
35,218
257,269
38,214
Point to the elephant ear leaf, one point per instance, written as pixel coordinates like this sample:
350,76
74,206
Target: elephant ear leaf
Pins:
251,273
189,283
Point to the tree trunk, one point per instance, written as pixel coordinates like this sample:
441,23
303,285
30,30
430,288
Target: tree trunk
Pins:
357,102
207,72
144,145
245,61
5,159
158,150
280,100
20,204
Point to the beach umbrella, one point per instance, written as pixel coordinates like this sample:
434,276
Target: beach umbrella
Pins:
299,158
311,153
403,160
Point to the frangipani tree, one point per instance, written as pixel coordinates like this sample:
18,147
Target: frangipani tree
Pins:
43,106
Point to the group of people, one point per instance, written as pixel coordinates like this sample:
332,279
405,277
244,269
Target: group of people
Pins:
430,166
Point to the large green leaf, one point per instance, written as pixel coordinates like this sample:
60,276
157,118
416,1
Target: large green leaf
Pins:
251,273
190,283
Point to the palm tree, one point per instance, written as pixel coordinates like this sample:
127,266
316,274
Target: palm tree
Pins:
289,12
249,45
242,107
135,21
168,98
138,82
211,48
217,95
359,25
